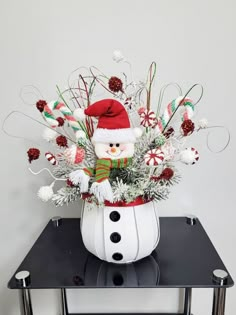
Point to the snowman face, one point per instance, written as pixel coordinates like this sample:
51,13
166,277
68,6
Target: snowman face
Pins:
114,151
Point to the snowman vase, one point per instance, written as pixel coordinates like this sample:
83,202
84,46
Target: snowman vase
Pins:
120,233
117,232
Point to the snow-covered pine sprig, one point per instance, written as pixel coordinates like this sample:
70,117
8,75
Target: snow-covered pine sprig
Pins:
155,191
63,169
65,195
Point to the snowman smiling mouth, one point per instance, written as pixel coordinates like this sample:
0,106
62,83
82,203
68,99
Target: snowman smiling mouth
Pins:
114,150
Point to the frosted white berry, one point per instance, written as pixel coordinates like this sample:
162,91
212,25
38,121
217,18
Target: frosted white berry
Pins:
45,193
79,114
118,56
49,134
203,123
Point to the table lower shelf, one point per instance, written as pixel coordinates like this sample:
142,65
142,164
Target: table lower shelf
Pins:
126,313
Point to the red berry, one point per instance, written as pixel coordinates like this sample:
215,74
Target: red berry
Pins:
167,173
169,132
33,154
69,183
61,141
187,127
115,84
60,121
40,105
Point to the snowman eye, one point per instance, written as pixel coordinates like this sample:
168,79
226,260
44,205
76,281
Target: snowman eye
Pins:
111,145
117,145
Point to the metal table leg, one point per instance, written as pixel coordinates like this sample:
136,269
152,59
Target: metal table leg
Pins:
187,301
64,308
219,277
23,279
219,301
25,302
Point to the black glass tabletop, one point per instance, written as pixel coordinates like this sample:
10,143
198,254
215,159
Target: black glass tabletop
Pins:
184,257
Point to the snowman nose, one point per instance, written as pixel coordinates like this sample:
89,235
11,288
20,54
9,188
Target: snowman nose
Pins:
113,150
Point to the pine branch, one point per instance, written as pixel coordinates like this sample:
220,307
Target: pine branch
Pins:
65,195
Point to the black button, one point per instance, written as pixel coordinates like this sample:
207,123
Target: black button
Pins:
117,256
115,237
114,216
118,279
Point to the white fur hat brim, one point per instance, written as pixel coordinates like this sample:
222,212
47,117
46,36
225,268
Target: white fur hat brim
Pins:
125,135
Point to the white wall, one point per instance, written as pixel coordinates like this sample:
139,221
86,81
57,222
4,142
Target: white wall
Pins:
192,41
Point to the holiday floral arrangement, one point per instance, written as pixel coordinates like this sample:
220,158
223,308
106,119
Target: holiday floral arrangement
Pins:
117,148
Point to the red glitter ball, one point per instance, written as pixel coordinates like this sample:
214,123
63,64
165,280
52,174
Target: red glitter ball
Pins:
167,173
33,154
169,132
115,84
69,183
60,121
61,141
40,105
187,127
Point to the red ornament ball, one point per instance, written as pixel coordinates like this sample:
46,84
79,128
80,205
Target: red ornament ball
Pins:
61,141
167,173
187,127
169,132
40,105
33,154
115,84
61,121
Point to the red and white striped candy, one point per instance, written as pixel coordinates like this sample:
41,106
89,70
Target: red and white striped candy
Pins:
51,158
74,154
154,157
147,118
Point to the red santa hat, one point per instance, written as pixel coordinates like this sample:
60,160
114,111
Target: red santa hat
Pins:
113,122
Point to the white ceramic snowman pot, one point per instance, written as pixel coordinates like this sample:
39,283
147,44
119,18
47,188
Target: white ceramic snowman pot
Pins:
115,232
120,234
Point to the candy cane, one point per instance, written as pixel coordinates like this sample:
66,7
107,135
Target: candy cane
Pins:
51,119
51,158
170,110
